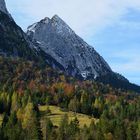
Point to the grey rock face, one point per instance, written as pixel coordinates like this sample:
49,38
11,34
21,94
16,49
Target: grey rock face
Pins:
57,39
13,41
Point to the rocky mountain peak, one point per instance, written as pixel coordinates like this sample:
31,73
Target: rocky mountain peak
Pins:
61,26
57,18
46,20
53,42
58,40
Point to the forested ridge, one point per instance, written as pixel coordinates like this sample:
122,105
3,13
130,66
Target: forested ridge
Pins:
26,85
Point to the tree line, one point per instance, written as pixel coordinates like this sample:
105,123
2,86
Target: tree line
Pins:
25,85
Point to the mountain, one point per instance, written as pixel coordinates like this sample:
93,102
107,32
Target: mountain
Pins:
15,43
78,58
52,42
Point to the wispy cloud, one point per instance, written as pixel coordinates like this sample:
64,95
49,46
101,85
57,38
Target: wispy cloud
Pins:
81,15
112,25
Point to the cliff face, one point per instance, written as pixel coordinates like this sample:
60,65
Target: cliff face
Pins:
15,43
57,39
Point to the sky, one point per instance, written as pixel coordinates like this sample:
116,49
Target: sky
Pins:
112,27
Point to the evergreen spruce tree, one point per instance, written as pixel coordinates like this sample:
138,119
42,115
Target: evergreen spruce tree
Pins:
49,128
63,128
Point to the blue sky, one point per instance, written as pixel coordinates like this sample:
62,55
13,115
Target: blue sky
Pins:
111,27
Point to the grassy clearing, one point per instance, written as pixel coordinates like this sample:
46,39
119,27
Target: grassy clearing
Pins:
57,114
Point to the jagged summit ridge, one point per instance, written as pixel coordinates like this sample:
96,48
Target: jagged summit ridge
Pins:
57,39
56,22
61,26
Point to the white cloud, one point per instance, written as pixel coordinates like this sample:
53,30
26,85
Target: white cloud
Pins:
82,15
